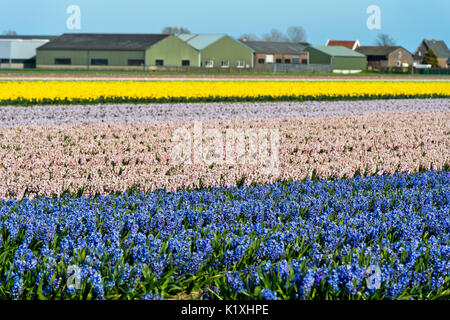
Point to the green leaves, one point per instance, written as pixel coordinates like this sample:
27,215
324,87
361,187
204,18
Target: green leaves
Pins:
114,100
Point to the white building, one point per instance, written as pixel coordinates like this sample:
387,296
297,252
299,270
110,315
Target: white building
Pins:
17,52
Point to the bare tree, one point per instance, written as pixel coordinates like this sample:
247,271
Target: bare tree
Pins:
275,35
249,36
296,34
175,30
9,33
384,40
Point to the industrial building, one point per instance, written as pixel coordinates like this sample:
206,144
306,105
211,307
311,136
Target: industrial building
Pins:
278,52
115,51
17,52
143,51
342,59
219,51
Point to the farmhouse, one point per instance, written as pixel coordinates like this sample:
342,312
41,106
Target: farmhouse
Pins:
385,57
115,51
277,52
219,50
342,59
20,51
438,46
350,44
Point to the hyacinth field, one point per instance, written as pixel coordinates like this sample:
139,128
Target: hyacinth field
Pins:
94,204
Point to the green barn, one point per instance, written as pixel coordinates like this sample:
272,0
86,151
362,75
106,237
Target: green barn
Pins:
219,50
342,59
115,51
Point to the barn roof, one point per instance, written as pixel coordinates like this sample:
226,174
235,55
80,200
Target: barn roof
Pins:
377,50
274,47
103,41
27,37
338,51
200,41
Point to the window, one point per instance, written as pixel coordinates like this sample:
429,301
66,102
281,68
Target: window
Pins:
420,53
63,61
295,59
287,60
135,62
269,58
225,63
304,61
13,60
159,62
261,61
99,62
399,54
240,64
278,60
399,63
209,63
376,58
185,63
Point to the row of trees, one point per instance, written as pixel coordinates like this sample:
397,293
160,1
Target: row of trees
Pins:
293,34
175,30
9,33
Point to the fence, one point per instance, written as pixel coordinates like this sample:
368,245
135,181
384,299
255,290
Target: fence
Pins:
270,67
198,69
292,68
433,71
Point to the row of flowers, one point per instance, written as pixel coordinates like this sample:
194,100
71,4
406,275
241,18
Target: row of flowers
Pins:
84,92
132,113
113,158
360,238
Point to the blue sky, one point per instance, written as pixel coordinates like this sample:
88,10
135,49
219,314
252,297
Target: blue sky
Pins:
407,21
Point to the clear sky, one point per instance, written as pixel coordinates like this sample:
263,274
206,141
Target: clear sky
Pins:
406,21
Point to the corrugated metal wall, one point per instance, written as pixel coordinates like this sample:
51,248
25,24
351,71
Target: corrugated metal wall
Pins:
172,51
230,50
83,58
349,63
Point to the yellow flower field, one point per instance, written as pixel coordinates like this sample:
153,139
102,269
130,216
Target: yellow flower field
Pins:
97,91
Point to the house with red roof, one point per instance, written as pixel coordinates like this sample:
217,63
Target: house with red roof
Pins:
350,44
